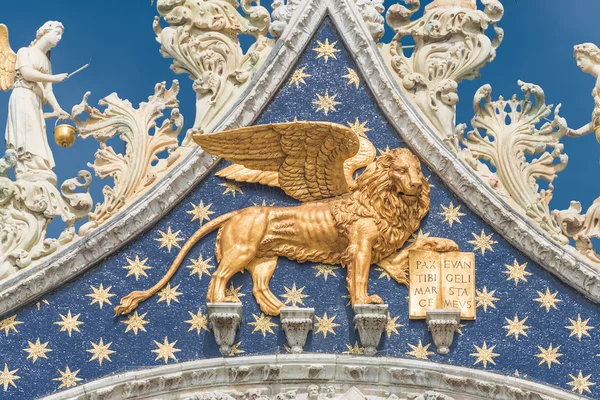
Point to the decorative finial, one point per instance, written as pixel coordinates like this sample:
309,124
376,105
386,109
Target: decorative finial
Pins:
470,4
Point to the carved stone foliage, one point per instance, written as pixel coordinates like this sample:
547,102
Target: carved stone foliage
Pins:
430,395
371,11
450,45
135,171
505,136
246,378
28,205
282,13
202,38
581,228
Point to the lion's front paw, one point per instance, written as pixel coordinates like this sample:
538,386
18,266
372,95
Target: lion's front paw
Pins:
229,299
448,245
373,299
441,245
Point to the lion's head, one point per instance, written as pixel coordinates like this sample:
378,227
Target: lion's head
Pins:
393,191
395,180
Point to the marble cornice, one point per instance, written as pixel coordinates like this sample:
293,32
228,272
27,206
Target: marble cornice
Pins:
378,377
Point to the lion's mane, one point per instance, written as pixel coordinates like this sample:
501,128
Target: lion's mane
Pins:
375,197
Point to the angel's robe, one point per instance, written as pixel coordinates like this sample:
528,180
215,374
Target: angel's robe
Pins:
26,126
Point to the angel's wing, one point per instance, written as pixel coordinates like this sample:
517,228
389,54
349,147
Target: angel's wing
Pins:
8,60
306,159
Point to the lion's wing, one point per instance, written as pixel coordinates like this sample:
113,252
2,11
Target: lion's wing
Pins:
307,157
238,172
8,60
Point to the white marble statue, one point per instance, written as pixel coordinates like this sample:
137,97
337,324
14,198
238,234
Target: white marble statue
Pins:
29,74
587,56
30,201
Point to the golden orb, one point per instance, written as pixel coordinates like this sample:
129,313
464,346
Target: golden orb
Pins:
64,135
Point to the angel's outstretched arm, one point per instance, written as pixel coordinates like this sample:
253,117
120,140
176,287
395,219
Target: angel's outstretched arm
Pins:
584,130
32,75
51,99
563,127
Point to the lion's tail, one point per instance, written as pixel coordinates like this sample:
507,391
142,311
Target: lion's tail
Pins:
133,299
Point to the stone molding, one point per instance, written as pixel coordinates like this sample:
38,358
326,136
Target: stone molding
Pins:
268,376
518,230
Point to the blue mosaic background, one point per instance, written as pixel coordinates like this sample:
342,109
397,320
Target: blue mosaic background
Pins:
547,326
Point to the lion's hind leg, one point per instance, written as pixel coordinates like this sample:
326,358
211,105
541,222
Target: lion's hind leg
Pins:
262,269
238,242
231,263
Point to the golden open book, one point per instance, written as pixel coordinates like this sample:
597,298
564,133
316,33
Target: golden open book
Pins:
441,281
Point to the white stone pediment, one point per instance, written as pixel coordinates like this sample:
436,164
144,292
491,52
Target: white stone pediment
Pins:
402,114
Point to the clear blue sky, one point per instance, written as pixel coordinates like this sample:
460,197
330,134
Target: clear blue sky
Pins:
117,35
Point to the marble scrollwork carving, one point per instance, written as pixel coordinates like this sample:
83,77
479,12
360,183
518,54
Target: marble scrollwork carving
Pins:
371,11
450,45
202,39
282,14
26,209
244,378
581,228
135,171
505,136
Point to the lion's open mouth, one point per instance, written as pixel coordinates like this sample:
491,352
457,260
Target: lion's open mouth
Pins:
408,198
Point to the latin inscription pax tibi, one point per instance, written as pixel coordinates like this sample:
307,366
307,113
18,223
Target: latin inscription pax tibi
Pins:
442,281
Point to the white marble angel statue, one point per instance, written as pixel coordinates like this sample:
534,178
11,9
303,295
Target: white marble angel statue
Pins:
29,74
587,56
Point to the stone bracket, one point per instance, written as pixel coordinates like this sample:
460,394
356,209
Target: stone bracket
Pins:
297,322
442,324
370,321
224,319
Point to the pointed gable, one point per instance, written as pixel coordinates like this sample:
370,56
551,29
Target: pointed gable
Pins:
528,320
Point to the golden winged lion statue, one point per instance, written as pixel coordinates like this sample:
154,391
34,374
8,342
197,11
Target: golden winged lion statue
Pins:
355,223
